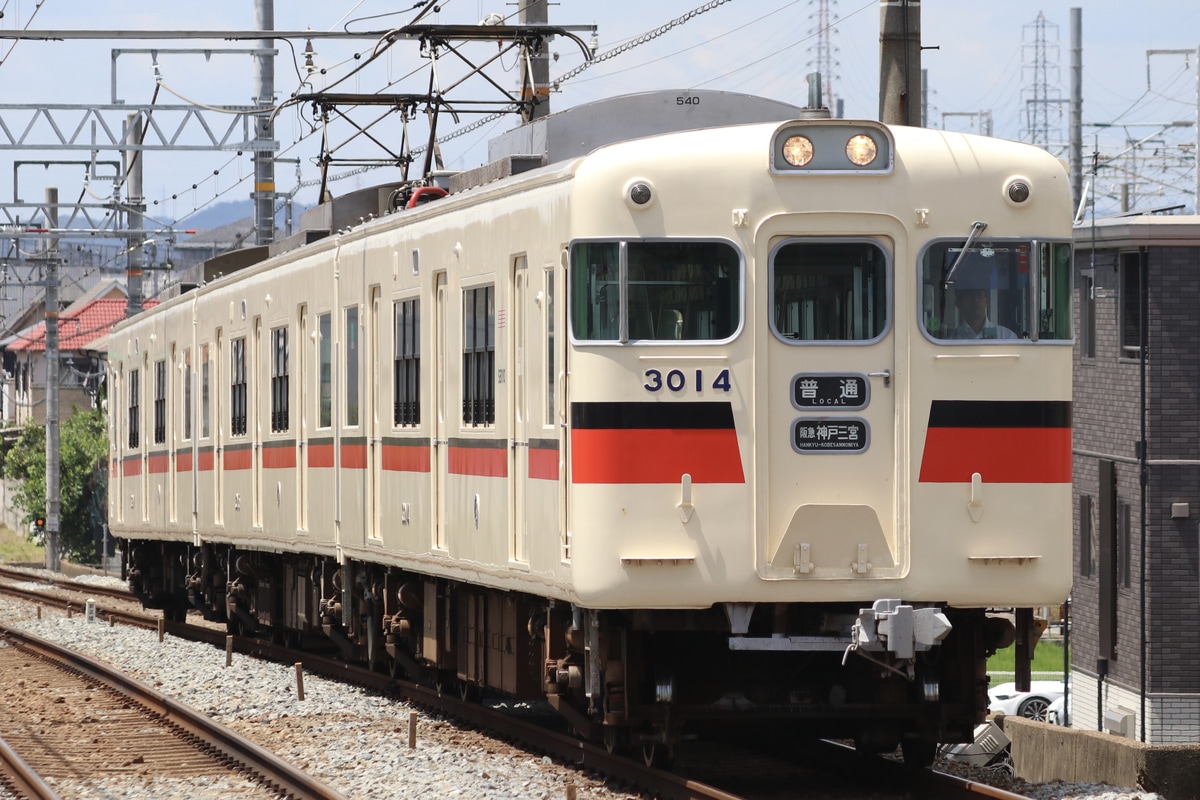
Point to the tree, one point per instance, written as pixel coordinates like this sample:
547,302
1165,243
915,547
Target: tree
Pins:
83,443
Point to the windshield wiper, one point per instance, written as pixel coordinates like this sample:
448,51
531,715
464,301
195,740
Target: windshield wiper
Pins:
976,229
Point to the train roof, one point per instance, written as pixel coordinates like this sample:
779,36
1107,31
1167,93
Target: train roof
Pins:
579,130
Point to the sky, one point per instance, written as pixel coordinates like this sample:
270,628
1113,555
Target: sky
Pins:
980,61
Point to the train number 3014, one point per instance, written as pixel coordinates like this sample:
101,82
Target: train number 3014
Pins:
677,381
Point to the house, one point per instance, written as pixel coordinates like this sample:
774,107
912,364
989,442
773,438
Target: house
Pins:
82,333
1137,478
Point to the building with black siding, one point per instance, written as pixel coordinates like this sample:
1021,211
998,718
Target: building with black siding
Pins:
1134,646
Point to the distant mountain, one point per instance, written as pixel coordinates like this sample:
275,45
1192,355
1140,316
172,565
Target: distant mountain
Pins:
219,214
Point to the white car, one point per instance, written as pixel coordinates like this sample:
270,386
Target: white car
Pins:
1005,699
1056,714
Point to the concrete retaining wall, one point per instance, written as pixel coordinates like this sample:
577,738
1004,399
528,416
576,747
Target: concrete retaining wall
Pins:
1044,753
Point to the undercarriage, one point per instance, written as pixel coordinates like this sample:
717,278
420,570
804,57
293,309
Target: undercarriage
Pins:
887,676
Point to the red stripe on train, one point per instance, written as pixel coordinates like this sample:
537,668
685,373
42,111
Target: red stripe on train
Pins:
320,455
406,457
354,456
999,455
238,459
484,462
655,455
183,461
279,457
543,464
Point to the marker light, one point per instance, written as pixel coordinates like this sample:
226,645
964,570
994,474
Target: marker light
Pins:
798,150
861,150
1018,191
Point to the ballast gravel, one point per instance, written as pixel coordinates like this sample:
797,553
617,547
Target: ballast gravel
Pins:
352,739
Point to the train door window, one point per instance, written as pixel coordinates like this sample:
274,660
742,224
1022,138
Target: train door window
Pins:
186,377
352,356
160,402
548,316
237,386
655,291
406,364
204,396
134,409
279,380
829,291
325,371
479,356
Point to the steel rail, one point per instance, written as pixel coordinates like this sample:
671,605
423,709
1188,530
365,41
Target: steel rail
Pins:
272,769
21,777
59,583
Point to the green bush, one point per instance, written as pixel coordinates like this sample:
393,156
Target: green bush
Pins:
83,447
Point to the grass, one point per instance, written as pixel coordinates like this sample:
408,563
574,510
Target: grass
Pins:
1047,658
16,548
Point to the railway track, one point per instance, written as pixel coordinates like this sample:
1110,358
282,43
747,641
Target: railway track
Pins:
19,780
761,774
80,724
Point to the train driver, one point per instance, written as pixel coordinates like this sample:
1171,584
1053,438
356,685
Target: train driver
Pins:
973,323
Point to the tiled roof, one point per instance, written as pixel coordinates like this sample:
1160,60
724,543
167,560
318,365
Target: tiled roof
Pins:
77,327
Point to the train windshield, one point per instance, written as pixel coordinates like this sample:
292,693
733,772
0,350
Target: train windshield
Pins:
655,291
998,290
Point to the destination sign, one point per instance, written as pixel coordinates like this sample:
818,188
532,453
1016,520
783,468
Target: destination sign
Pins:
823,435
830,391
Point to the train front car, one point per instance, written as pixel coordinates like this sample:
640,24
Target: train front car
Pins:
819,411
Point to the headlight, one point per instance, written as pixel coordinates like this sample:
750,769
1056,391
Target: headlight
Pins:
798,150
861,149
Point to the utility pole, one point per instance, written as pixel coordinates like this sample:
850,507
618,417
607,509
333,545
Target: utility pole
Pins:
900,62
264,155
1076,132
135,200
53,454
535,66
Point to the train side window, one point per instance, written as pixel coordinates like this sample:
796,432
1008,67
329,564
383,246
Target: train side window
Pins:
204,396
325,371
829,291
655,291
352,355
279,380
160,402
406,364
997,290
479,356
237,386
134,408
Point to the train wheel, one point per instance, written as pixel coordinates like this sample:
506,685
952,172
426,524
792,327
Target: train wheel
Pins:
615,740
657,754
